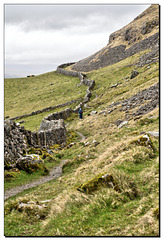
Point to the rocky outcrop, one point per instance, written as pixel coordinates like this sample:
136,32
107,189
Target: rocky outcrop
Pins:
141,103
151,95
134,74
101,180
110,55
30,164
148,58
140,34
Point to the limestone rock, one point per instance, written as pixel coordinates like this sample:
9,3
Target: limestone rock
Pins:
93,112
86,144
118,122
115,85
95,143
101,180
123,124
134,74
154,134
29,164
144,140
53,124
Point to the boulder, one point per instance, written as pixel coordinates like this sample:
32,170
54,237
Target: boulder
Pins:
101,180
95,143
115,85
153,134
118,122
134,73
123,124
30,164
144,140
93,112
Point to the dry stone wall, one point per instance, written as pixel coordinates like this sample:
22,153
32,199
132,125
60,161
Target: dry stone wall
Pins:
14,142
80,75
17,140
52,129
44,110
64,114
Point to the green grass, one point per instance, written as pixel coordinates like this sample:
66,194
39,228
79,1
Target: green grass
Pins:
33,122
23,177
103,213
25,95
110,75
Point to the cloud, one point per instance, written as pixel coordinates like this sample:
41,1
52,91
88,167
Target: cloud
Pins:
35,17
47,34
42,46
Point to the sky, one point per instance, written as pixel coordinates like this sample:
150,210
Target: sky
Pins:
39,37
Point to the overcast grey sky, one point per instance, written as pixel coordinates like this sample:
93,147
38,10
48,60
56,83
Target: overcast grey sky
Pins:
38,38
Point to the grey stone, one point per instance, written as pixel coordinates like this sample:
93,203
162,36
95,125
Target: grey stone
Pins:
123,124
115,85
93,112
134,73
86,144
26,162
102,112
95,143
154,134
118,122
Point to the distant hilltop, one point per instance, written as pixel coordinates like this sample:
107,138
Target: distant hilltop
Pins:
140,34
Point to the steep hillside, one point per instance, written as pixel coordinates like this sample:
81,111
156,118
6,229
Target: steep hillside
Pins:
142,33
105,180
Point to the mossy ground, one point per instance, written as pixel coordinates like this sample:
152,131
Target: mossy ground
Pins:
132,211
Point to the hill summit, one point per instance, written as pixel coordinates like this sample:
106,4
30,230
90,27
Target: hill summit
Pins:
142,33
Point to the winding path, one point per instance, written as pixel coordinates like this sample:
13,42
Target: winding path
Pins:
54,173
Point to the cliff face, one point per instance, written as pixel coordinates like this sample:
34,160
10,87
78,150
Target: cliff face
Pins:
141,34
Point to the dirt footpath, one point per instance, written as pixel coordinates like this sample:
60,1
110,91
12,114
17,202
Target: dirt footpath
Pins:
55,173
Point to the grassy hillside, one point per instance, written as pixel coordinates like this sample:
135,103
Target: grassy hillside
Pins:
131,209
25,95
105,78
